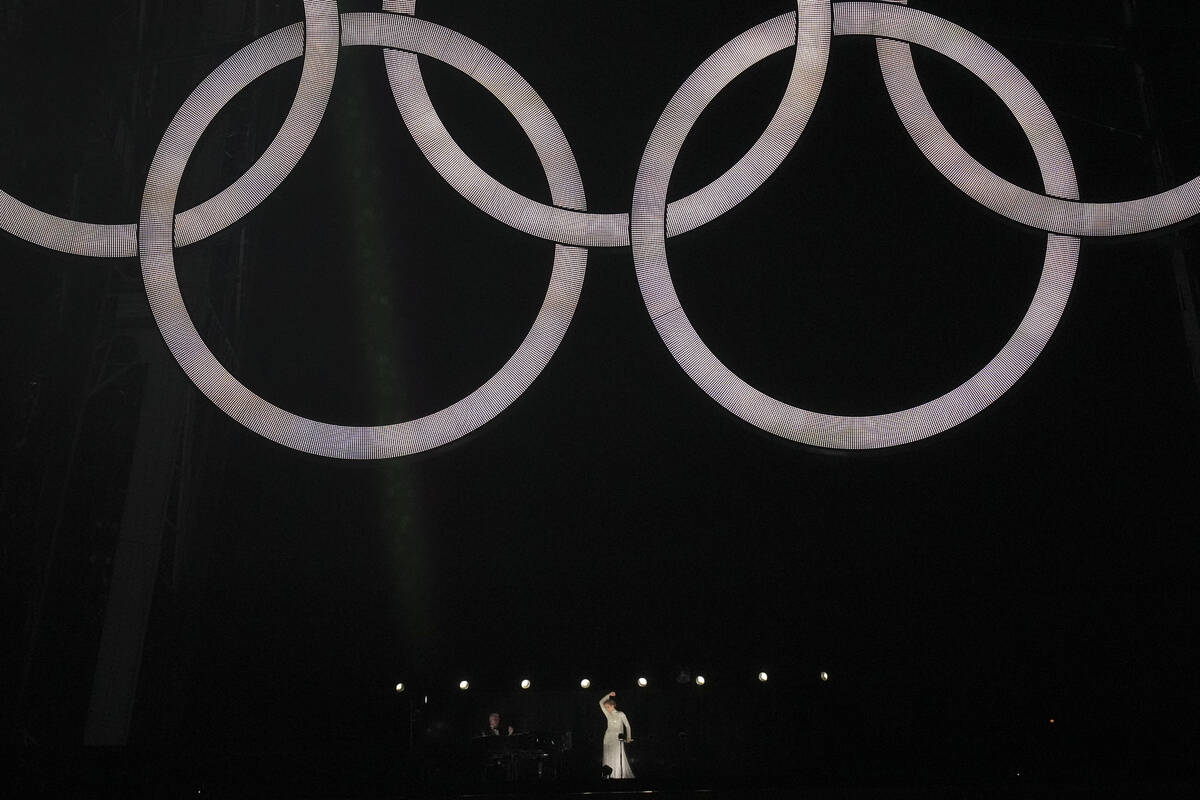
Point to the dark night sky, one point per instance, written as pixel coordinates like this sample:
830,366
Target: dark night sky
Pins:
615,518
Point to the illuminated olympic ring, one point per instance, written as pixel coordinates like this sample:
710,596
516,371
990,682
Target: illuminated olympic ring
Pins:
566,226
831,430
344,441
566,222
317,40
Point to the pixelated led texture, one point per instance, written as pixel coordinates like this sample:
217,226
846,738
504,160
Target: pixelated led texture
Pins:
317,40
262,416
831,430
568,226
1055,209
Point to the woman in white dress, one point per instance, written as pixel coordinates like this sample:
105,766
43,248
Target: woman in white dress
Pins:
614,748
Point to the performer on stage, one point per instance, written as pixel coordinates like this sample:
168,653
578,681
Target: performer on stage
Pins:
615,762
494,729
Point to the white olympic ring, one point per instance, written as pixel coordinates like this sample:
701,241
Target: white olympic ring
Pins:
566,221
281,156
566,226
346,441
832,430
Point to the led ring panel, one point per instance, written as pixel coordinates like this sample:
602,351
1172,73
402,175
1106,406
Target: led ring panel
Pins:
566,221
317,39
1054,212
811,24
573,226
648,232
265,418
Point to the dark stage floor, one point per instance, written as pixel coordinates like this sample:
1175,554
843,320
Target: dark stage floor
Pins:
112,776
752,791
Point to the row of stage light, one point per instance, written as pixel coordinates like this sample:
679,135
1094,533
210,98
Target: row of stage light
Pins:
642,681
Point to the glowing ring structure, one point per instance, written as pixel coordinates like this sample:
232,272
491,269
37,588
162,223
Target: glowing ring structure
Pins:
1045,212
317,39
648,233
1052,212
810,24
297,432
572,226
567,222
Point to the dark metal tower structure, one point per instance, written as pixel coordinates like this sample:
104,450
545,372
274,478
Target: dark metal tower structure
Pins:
1153,64
108,414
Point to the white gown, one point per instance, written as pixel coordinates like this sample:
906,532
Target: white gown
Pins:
614,748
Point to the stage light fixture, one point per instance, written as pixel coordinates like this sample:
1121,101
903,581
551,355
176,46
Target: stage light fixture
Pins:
464,685
525,684
824,676
762,677
642,682
585,684
699,680
399,687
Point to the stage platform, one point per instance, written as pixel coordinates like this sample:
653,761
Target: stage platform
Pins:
129,774
1013,791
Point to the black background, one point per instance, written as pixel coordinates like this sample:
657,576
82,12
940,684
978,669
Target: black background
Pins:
1037,562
